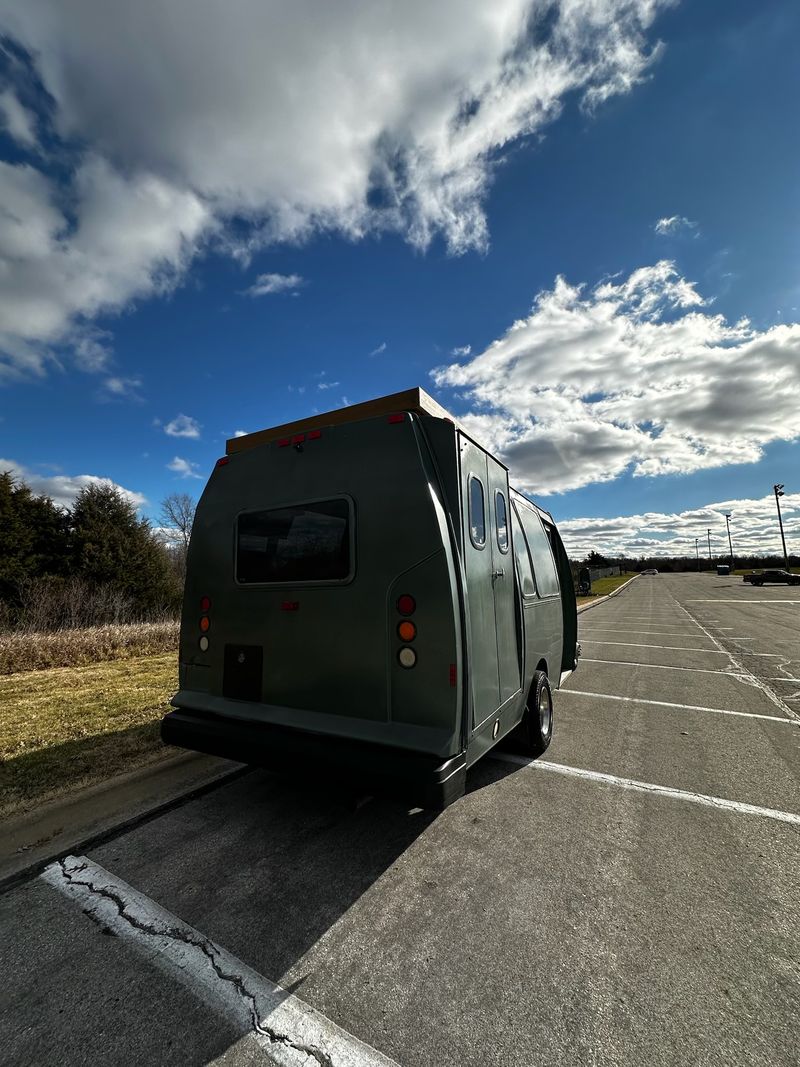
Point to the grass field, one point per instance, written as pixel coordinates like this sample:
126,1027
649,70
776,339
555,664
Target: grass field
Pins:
72,648
65,727
604,586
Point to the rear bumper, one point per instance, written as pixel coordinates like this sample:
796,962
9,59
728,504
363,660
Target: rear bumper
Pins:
423,779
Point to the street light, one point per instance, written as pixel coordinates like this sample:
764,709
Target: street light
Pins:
730,543
697,551
778,489
710,560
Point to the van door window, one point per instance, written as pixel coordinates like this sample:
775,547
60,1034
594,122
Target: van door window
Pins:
501,517
522,557
477,512
544,568
303,543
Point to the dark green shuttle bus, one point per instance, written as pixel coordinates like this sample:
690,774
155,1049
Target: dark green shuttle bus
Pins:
365,593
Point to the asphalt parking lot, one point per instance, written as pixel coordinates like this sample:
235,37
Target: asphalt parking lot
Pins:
631,898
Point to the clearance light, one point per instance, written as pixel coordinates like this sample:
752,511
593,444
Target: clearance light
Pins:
314,435
223,461
399,417
407,657
205,622
284,442
205,604
406,604
204,643
406,630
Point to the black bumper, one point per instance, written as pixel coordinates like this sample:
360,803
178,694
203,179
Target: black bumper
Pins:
425,780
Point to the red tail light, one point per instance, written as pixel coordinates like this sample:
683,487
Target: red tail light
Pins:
399,417
406,604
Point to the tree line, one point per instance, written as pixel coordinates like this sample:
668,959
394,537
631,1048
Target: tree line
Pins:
93,563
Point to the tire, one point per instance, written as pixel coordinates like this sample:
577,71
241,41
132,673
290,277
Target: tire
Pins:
537,722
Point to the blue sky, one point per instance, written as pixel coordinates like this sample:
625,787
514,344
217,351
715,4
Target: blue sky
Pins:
409,205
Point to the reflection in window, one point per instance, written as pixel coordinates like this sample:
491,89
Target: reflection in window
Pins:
477,512
304,543
502,521
523,559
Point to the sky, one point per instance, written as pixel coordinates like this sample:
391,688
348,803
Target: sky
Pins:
575,223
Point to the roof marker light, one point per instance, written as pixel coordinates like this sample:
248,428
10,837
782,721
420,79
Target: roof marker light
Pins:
314,435
298,438
223,461
284,442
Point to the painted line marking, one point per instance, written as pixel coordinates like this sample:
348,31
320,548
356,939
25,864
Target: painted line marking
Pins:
663,667
291,1031
671,648
743,600
682,707
649,787
659,633
748,677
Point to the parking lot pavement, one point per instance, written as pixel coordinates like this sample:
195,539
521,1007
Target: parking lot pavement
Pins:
551,916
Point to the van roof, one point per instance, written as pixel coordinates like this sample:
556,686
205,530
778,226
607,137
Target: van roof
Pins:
408,400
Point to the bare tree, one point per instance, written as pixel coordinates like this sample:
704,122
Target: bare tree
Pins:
176,518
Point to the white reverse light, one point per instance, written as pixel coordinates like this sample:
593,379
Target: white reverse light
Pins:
407,657
204,643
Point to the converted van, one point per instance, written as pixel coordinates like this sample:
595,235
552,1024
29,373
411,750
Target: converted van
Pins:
366,594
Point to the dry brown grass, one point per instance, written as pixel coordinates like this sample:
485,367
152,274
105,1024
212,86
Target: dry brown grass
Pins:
70,726
75,648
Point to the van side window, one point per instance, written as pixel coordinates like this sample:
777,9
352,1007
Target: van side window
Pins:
501,517
303,543
522,557
541,556
477,512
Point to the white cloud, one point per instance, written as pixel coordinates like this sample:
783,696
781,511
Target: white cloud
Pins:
463,350
266,284
17,119
183,426
116,388
352,117
633,374
379,350
328,385
674,224
62,488
184,467
754,530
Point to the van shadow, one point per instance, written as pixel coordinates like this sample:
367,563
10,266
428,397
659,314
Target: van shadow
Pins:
267,865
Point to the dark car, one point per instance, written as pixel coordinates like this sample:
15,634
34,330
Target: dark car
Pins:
772,578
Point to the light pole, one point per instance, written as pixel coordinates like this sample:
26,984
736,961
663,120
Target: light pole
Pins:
697,551
710,560
778,494
730,543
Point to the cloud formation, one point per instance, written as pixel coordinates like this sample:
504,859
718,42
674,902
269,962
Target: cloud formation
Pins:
674,224
636,374
62,488
183,426
267,284
181,126
754,530
184,467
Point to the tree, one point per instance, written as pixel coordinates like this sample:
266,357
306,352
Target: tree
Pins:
596,559
177,517
33,537
111,544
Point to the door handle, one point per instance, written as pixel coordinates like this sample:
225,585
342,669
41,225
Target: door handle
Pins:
500,573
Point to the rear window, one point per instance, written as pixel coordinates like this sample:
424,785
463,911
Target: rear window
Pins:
544,568
303,543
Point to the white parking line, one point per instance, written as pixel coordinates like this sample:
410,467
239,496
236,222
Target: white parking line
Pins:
671,648
743,600
649,787
662,667
682,707
659,633
291,1031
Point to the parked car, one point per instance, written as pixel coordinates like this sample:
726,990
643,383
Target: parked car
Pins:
772,578
650,570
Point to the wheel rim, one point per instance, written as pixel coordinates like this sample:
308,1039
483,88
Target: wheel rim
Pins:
545,712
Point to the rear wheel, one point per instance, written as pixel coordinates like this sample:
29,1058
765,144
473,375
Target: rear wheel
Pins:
537,723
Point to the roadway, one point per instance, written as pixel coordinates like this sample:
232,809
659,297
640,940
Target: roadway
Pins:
630,898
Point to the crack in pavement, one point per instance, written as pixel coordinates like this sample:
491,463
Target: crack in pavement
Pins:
79,878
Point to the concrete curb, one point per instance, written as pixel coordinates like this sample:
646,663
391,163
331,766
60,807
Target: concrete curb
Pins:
90,816
608,596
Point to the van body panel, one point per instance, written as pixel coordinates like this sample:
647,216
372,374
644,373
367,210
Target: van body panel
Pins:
305,547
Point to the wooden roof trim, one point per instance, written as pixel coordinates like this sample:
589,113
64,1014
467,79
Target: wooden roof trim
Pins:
408,400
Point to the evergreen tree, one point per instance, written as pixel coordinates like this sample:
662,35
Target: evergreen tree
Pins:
111,545
33,537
